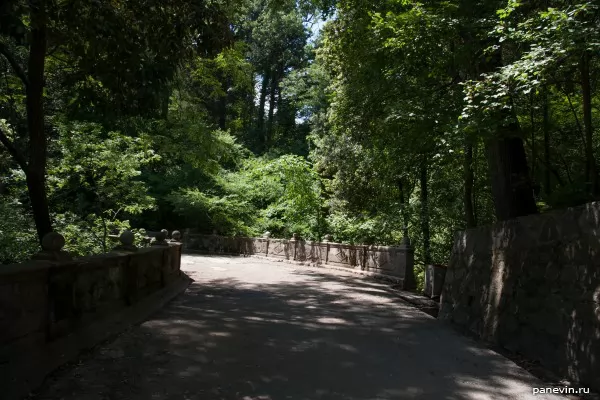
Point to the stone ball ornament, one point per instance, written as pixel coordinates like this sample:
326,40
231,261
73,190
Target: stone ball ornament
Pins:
161,236
127,238
176,235
52,244
53,241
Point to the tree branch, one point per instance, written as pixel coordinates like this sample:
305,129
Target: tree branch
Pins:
17,155
14,64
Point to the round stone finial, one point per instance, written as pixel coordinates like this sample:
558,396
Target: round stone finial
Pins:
328,238
176,235
53,241
127,238
161,236
295,236
165,231
267,234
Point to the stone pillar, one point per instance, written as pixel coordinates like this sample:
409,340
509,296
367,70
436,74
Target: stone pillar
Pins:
52,245
186,239
293,245
434,280
267,235
363,257
213,243
408,254
327,239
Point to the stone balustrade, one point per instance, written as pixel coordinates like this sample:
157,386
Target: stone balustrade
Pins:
396,262
55,294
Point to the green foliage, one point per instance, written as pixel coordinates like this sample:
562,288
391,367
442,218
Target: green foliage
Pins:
98,171
554,40
228,214
306,88
419,272
18,240
147,117
223,116
94,182
279,195
298,208
90,235
360,229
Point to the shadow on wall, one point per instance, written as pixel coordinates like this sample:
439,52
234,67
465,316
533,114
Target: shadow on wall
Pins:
308,337
532,285
394,262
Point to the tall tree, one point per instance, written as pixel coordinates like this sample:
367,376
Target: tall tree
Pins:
132,57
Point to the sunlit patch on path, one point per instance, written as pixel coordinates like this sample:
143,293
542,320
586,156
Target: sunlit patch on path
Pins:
249,329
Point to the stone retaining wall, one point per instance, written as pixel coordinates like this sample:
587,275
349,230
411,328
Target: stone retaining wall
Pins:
43,300
532,285
392,261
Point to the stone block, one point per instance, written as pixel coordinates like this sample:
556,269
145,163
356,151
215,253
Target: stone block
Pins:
568,274
459,273
446,311
536,283
552,271
549,230
460,315
509,325
23,302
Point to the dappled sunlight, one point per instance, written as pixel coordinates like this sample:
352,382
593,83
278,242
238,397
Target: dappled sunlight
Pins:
530,286
332,321
295,338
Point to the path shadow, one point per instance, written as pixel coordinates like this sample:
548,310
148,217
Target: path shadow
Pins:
309,336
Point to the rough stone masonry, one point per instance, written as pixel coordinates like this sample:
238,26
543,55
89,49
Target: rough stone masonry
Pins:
532,285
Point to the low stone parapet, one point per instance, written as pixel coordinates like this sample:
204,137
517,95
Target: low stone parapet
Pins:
44,299
392,261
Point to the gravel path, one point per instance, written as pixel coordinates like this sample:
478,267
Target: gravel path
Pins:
251,329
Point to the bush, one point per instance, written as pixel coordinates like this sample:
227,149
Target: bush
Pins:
18,237
89,236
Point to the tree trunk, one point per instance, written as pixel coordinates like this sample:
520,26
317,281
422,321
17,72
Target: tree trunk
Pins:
425,212
164,103
36,169
222,112
475,147
512,188
469,180
221,106
546,127
273,90
261,108
532,121
403,205
104,234
591,173
321,211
